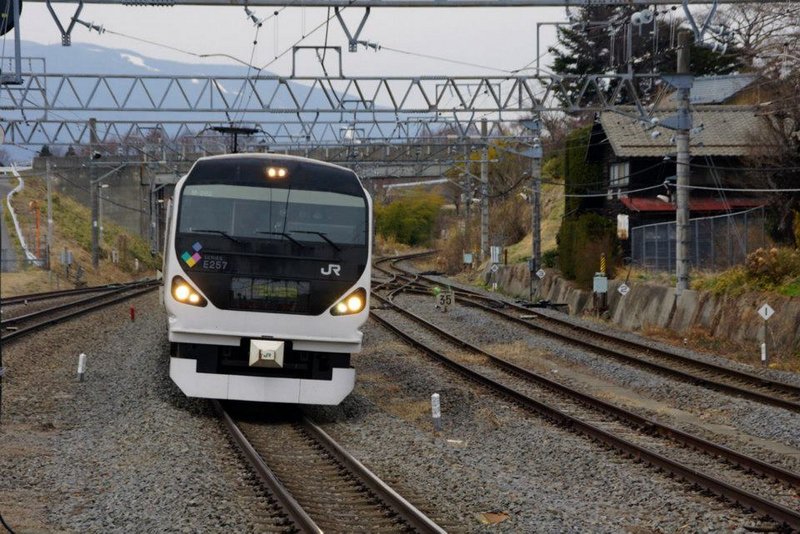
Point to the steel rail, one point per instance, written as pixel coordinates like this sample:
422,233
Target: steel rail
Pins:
407,511
293,509
34,297
742,376
686,376
633,419
5,323
777,512
16,334
784,387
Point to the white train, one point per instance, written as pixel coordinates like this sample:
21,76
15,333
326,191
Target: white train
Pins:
266,278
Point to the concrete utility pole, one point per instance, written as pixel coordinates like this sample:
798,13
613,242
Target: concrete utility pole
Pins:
536,222
93,194
682,237
48,179
94,191
484,192
467,200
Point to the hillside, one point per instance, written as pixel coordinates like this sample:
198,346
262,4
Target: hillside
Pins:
71,231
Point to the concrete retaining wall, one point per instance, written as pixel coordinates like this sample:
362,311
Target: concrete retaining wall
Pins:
735,319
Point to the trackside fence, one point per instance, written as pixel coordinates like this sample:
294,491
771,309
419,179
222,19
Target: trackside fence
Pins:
716,243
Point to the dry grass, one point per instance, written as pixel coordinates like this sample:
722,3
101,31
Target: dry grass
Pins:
71,227
383,246
701,340
517,350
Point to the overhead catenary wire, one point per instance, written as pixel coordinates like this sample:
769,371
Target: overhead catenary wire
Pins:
106,199
737,189
326,22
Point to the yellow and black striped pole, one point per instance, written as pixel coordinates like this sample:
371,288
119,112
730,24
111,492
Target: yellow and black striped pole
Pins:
603,263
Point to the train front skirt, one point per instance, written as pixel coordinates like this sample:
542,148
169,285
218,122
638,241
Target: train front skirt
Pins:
183,372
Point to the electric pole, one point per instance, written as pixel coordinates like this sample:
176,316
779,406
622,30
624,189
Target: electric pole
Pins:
536,201
93,193
683,171
467,200
484,192
48,179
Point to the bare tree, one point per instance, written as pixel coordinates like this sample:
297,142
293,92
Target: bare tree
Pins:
767,33
775,152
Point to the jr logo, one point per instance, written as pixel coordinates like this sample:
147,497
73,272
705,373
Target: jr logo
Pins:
332,268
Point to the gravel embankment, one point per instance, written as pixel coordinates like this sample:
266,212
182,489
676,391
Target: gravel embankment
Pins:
494,457
672,397
607,327
123,451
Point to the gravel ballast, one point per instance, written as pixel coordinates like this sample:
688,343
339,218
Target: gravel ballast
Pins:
122,451
494,457
126,451
484,329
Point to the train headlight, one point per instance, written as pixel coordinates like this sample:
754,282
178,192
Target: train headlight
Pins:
276,172
355,304
352,303
183,292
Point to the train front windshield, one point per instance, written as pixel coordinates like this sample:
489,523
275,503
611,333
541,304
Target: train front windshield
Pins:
266,213
289,245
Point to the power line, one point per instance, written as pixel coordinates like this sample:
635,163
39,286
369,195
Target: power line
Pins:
734,189
85,188
595,195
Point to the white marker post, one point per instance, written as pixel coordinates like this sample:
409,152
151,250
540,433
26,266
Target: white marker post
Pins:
81,366
436,412
765,312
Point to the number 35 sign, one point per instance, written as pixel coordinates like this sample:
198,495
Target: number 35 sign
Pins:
444,300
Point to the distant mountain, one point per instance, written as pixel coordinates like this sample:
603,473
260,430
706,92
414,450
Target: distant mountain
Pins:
88,58
83,58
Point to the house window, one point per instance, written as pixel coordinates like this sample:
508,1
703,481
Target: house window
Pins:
620,174
618,178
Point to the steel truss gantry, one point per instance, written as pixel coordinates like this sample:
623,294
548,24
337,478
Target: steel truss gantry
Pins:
289,133
98,93
56,108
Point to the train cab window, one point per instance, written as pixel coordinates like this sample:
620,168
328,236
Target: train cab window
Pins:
255,212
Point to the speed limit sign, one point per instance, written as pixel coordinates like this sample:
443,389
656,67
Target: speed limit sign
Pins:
444,300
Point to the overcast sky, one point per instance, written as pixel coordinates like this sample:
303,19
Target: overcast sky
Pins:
499,38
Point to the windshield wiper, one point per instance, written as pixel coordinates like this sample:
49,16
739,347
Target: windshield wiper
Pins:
220,232
322,235
284,234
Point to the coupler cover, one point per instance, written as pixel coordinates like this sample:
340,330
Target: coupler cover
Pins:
266,353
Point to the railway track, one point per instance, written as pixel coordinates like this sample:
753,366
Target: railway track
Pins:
48,295
745,480
22,325
319,485
712,376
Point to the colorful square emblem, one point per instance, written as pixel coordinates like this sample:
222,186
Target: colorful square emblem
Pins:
192,259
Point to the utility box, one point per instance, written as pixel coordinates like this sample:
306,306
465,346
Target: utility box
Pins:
600,283
266,353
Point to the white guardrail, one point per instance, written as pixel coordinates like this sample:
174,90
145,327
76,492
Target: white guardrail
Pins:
14,171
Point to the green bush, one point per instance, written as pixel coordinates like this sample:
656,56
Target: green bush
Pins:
581,241
410,220
550,258
580,177
796,227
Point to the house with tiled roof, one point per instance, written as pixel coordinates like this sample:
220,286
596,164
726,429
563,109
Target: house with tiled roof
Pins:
639,162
